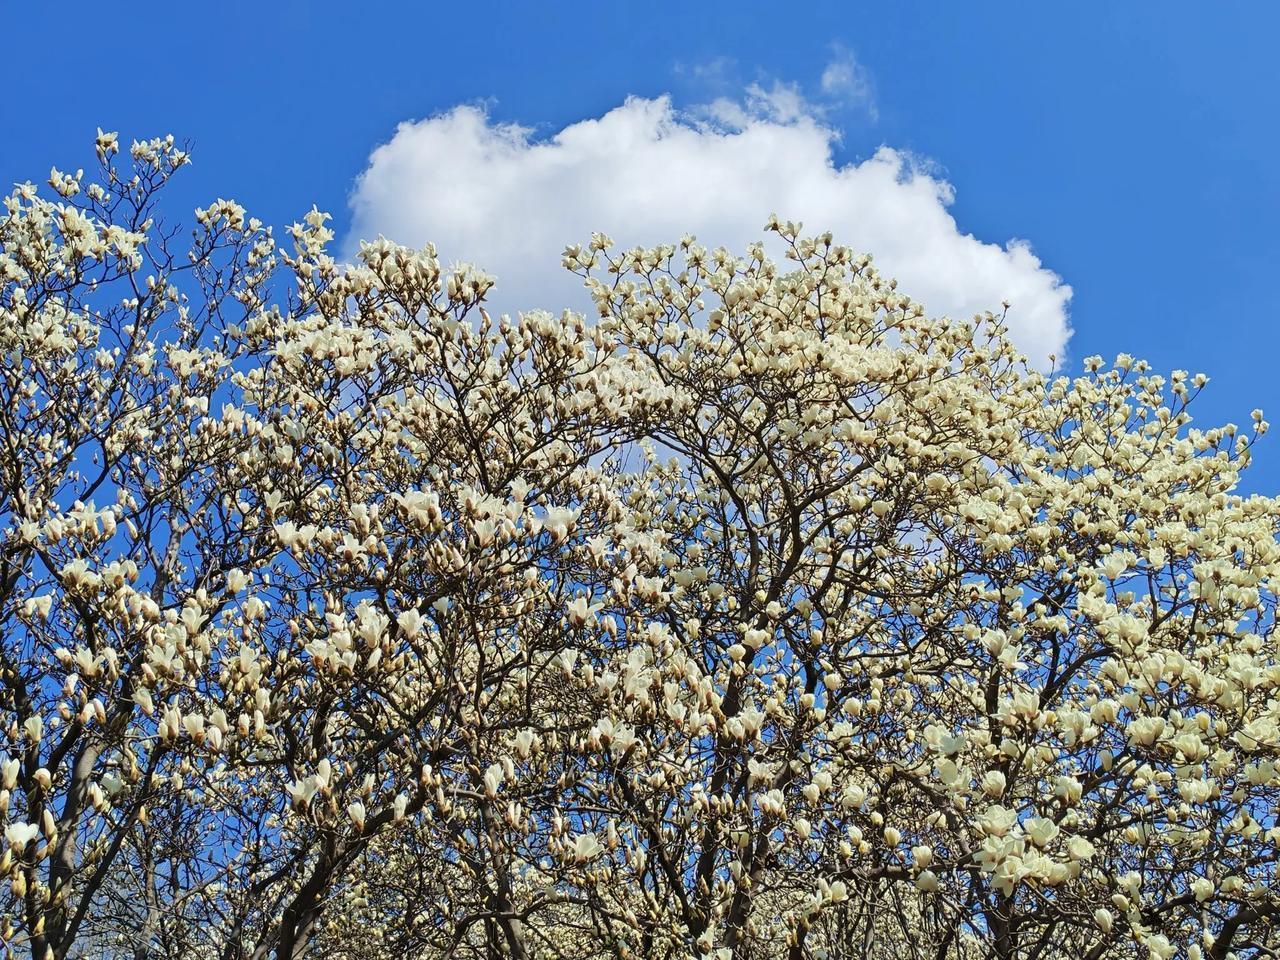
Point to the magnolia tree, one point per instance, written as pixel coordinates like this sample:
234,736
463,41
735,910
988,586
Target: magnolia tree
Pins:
758,616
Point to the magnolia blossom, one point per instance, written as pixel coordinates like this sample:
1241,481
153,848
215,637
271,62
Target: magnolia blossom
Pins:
20,834
586,847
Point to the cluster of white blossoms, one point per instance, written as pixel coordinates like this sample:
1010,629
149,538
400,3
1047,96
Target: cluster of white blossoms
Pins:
758,616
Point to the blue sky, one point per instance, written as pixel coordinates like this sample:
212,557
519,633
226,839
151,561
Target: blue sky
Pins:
1133,146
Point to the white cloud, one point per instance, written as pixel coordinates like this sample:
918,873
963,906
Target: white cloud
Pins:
496,195
847,81
715,72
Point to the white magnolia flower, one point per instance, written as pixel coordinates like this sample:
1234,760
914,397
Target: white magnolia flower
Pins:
586,847
20,834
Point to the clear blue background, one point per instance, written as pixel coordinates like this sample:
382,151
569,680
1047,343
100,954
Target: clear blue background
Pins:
1134,145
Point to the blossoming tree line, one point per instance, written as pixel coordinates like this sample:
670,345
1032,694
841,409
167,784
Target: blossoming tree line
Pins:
758,616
